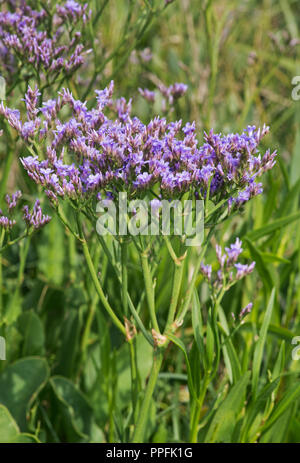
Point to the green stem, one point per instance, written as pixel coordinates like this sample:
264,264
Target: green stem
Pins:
144,412
176,287
134,376
149,290
96,281
191,287
14,304
124,285
131,342
88,324
196,412
1,298
10,243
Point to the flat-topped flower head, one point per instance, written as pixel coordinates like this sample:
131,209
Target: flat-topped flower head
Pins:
105,148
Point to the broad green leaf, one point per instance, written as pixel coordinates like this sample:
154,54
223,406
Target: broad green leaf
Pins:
9,430
51,252
259,348
8,427
75,408
20,383
223,423
32,331
70,331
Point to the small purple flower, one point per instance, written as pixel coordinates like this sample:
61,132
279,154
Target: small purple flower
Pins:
13,199
243,270
155,205
234,251
36,218
206,270
221,257
246,310
6,223
147,94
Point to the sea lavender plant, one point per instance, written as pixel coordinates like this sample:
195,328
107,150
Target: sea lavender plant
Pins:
33,41
33,221
79,155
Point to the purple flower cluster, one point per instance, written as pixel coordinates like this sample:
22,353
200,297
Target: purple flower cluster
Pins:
85,152
35,219
33,37
12,200
230,271
6,221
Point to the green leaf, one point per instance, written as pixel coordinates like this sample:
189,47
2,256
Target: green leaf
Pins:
295,161
223,423
272,227
230,356
282,333
9,430
259,348
75,408
260,265
20,383
289,398
198,327
32,331
256,407
70,331
181,346
24,438
51,251
144,360
8,427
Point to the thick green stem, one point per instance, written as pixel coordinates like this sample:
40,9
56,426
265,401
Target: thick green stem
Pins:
144,412
149,287
124,285
176,287
132,341
1,298
97,284
88,324
134,376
